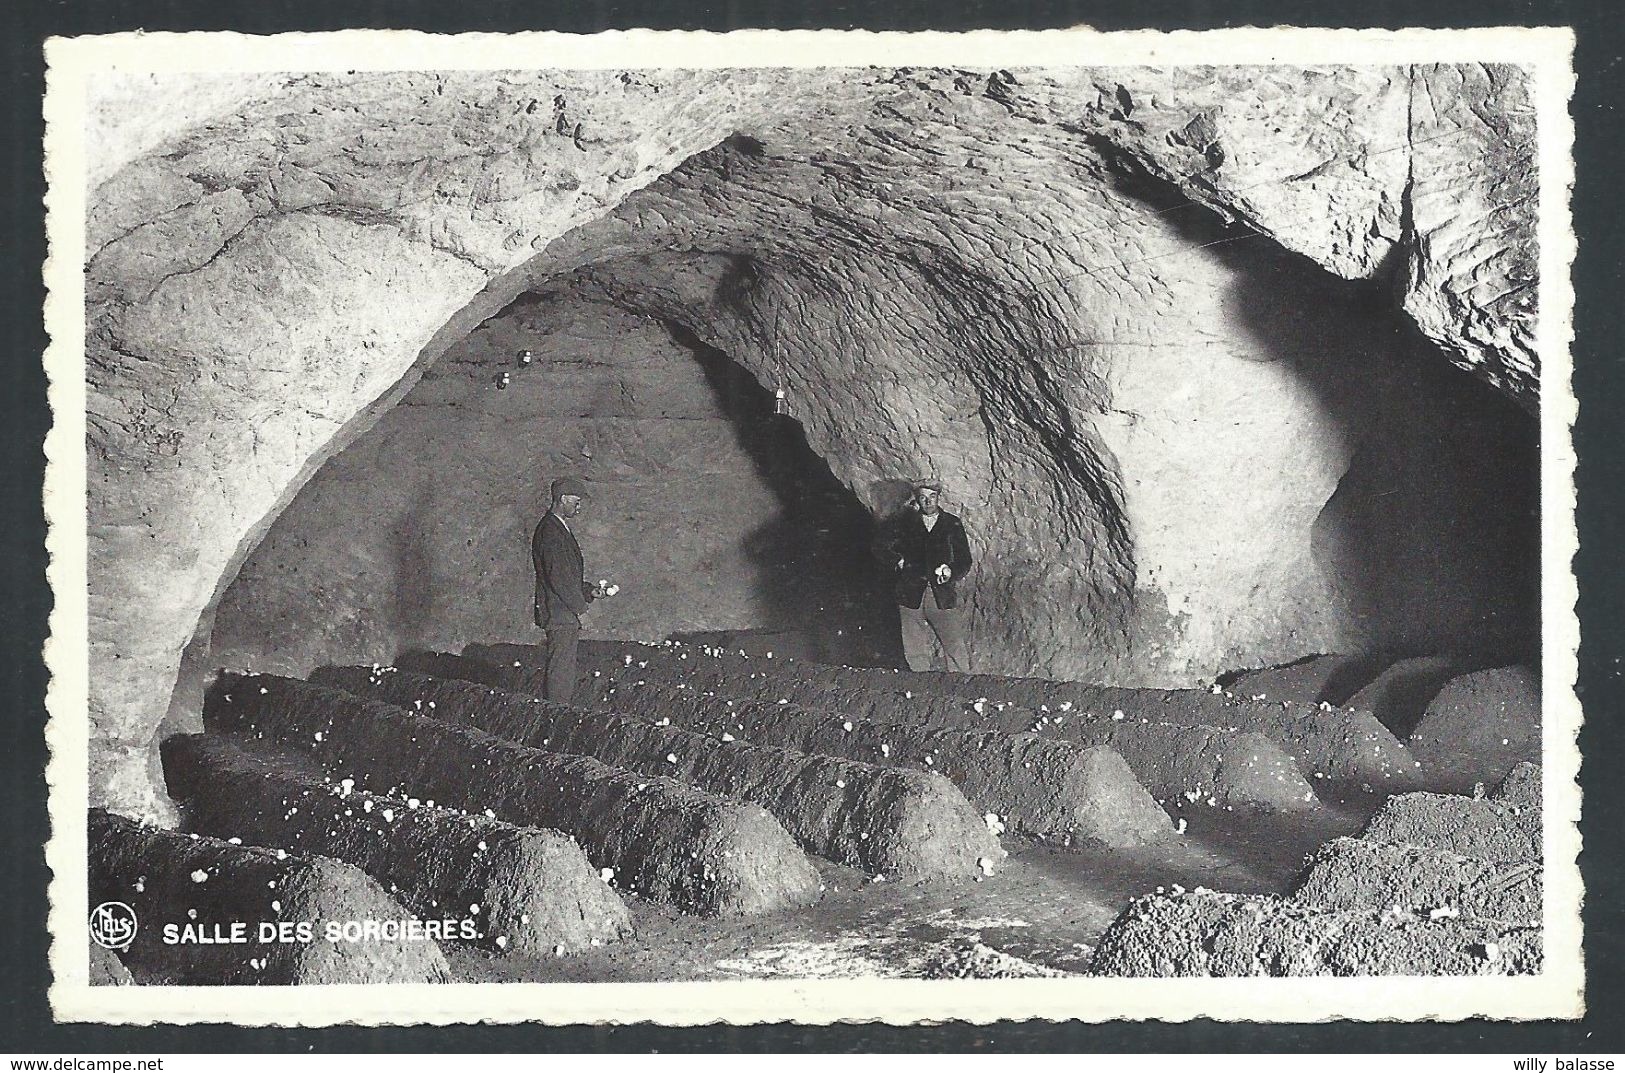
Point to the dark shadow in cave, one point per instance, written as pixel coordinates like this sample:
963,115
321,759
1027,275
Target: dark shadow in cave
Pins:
817,555
1433,530
1452,548
412,596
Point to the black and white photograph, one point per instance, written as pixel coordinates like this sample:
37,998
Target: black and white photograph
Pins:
768,527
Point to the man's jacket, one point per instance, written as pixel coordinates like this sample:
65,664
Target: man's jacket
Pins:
922,551
562,592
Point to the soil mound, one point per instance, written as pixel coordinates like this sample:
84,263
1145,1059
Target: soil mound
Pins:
523,667
887,821
1521,787
785,644
1306,681
1033,784
1326,743
1491,830
1193,765
1479,727
448,665
1038,785
1351,873
176,881
664,840
1400,695
1206,934
1190,762
535,890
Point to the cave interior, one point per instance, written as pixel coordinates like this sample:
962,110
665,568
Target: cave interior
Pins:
1224,371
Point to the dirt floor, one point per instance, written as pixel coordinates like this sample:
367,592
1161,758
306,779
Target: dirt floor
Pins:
1043,910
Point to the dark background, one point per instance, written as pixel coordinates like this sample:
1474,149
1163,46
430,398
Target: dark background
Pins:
25,600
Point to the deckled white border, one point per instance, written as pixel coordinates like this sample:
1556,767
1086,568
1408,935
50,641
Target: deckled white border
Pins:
1556,993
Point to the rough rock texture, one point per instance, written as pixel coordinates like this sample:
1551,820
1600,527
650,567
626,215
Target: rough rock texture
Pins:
1029,482
995,274
900,824
209,884
1468,285
1400,695
1445,197
260,285
535,891
1352,873
1472,827
665,841
130,114
1479,727
1224,768
1245,935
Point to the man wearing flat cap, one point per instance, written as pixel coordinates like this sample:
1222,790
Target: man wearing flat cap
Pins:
562,591
929,553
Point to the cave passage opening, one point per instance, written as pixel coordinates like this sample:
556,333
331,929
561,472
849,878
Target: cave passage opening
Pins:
709,508
822,589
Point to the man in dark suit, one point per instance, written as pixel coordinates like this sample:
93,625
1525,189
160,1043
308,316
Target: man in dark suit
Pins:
929,553
562,592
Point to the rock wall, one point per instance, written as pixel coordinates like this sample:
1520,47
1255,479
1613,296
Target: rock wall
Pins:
706,509
1146,449
1013,278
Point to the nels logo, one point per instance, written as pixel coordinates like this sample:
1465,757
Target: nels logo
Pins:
113,925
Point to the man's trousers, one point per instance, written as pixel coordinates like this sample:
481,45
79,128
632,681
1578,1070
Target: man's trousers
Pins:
928,620
561,663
